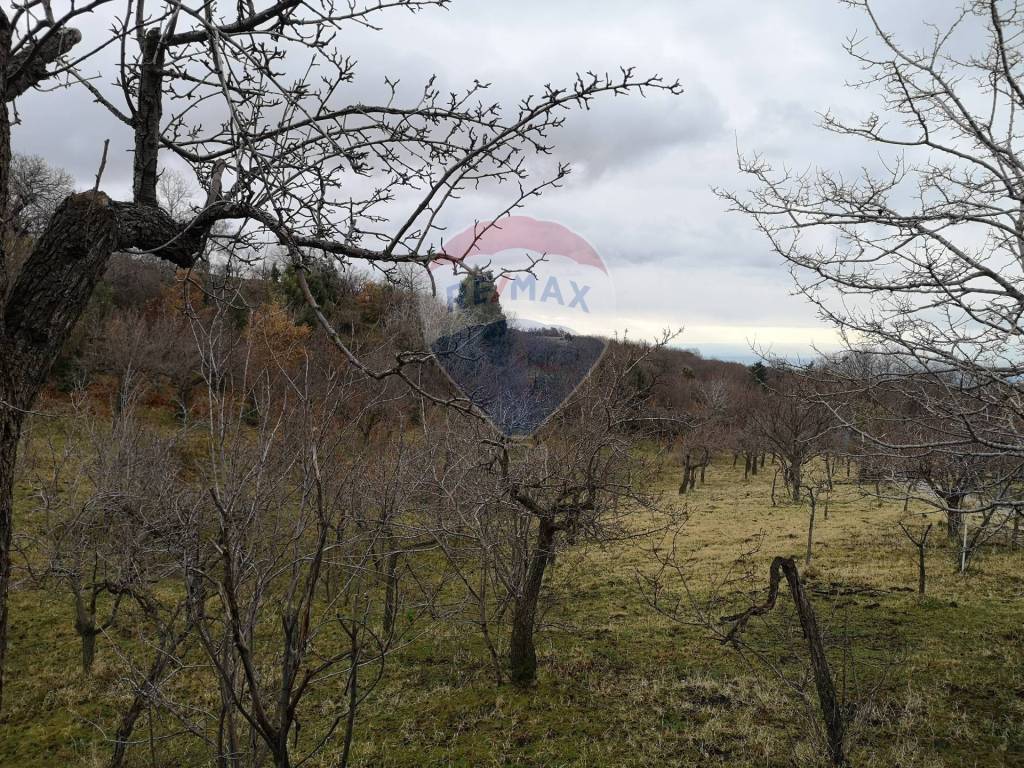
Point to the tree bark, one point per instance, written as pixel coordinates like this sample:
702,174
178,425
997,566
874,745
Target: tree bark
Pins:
85,627
522,651
5,150
10,419
149,113
687,475
88,651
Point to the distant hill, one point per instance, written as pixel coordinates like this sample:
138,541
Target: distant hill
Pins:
524,324
517,378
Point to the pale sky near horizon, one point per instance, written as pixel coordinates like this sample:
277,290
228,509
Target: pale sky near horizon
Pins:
755,76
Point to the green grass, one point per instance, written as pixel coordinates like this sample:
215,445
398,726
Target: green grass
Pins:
621,685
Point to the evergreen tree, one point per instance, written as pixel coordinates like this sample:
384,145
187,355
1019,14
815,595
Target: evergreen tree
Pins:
760,373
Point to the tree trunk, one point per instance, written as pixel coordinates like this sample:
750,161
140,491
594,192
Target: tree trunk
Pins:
85,627
5,149
148,115
391,596
954,523
10,418
10,430
963,545
184,398
794,480
688,479
810,529
522,652
88,651
227,735
920,565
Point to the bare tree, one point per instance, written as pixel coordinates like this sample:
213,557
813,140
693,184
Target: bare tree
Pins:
953,480
709,425
122,349
576,480
270,161
796,428
116,529
36,189
920,542
742,433
107,501
923,271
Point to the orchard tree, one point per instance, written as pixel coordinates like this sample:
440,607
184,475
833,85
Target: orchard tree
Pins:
521,503
280,156
796,428
920,261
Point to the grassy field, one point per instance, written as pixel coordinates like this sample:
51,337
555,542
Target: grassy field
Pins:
621,685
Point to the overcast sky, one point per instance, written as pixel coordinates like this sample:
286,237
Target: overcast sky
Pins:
755,76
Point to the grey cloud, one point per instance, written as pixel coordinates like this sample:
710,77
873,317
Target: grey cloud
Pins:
755,76
624,132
